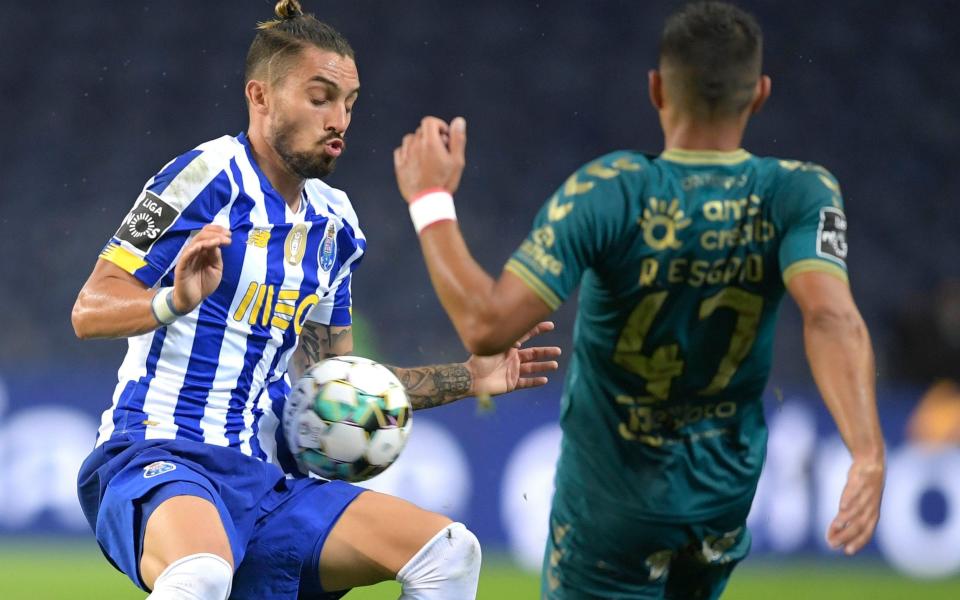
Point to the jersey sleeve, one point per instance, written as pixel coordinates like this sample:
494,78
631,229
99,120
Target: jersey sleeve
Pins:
572,230
185,195
813,222
336,308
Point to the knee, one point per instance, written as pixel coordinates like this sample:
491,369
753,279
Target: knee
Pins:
196,577
465,546
449,561
460,549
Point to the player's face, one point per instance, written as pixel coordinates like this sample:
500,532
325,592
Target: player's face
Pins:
311,112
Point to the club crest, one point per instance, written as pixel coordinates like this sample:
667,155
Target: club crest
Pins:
158,468
328,247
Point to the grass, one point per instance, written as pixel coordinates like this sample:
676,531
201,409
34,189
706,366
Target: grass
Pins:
33,571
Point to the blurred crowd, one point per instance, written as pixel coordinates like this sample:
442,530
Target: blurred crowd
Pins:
97,100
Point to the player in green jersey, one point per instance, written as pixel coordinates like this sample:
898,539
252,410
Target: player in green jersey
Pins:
682,260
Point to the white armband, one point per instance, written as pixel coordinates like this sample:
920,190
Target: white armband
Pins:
431,207
162,306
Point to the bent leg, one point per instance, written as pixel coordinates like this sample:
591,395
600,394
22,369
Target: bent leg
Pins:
380,538
181,527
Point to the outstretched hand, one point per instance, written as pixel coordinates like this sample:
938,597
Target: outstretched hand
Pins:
200,268
433,157
853,526
516,368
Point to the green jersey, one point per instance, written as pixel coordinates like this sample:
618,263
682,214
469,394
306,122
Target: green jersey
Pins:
682,260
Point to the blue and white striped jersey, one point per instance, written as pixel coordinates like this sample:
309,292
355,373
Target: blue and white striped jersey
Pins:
219,374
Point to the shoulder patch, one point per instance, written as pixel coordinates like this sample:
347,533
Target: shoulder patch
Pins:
832,234
149,219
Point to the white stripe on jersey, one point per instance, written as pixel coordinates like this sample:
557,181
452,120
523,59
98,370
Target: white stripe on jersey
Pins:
203,377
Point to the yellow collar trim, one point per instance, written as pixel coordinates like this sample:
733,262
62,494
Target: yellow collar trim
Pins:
705,157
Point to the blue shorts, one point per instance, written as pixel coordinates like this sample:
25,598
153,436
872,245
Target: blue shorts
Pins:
276,526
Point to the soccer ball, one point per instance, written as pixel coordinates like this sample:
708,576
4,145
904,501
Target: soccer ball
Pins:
347,418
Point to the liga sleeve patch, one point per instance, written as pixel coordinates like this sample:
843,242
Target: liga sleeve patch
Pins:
149,219
832,234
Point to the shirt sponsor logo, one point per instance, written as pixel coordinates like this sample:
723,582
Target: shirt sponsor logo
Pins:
832,234
146,222
328,248
158,468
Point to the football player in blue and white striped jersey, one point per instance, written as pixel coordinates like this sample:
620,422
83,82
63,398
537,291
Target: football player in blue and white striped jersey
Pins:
234,267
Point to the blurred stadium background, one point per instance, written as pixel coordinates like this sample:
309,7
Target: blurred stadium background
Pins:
97,97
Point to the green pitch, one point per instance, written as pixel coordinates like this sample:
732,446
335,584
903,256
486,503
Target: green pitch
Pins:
31,571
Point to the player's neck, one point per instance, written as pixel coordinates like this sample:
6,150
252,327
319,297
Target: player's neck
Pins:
688,134
287,184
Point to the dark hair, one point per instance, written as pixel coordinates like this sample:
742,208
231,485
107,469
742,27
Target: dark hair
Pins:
283,38
712,52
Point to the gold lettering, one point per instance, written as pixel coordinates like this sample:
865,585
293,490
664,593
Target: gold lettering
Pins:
733,267
543,260
755,202
303,310
242,308
284,309
766,231
544,236
677,266
648,271
257,305
725,410
698,272
716,272
732,209
713,210
692,414
758,231
709,240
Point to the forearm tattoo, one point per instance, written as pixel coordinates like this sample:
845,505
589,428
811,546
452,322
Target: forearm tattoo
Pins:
434,385
317,343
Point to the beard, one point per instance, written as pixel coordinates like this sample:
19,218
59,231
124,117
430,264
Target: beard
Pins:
308,165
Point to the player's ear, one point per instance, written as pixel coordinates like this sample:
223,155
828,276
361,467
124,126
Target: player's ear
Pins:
256,92
655,87
760,94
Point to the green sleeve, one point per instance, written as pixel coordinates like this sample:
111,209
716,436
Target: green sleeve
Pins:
574,227
813,222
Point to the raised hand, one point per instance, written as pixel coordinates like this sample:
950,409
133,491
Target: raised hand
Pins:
200,268
515,369
432,157
853,526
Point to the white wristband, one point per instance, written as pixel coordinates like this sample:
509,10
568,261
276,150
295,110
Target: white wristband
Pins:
162,306
432,207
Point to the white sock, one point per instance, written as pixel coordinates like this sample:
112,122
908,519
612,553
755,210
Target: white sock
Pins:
194,577
447,567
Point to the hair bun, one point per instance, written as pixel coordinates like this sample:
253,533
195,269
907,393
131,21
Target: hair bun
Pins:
288,9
